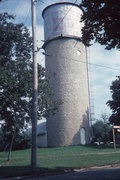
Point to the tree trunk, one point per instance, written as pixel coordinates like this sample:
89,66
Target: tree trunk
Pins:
11,145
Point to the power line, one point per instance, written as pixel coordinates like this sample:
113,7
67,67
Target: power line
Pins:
51,1
18,8
42,2
27,16
64,16
48,3
99,65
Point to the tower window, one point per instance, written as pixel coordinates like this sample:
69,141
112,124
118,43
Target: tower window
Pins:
78,52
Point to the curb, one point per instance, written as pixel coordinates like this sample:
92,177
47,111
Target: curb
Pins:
94,168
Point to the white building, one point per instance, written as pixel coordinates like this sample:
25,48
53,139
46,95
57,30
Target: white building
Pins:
41,133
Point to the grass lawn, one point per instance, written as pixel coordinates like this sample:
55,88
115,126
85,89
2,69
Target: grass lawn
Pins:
56,159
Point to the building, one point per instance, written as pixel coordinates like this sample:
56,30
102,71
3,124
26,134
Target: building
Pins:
67,71
41,133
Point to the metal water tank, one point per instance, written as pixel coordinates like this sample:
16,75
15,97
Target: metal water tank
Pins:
62,19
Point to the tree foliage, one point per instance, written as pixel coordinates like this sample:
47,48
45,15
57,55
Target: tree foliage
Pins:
15,68
16,78
21,141
101,131
115,102
101,22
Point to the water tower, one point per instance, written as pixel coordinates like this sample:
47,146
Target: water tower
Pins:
67,71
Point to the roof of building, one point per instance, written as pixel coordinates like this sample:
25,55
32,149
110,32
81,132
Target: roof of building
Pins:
41,128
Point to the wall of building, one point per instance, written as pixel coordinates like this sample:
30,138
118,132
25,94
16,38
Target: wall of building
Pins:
67,72
41,133
42,140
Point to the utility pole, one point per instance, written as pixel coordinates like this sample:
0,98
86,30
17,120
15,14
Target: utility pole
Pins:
35,89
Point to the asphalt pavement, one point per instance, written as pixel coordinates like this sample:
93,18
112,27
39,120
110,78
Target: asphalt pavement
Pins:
102,174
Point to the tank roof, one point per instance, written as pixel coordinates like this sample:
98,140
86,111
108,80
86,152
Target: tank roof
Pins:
60,3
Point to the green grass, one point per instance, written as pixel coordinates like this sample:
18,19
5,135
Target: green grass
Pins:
57,159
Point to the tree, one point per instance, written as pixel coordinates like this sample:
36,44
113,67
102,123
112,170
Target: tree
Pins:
101,22
101,131
15,76
115,102
16,79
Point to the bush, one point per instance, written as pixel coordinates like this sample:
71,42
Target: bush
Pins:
2,142
21,141
101,132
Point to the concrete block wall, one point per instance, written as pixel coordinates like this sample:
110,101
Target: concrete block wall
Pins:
67,72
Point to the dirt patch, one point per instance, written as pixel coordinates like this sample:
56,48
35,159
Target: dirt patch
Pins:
97,167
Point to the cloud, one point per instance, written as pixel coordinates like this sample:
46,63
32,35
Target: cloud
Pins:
103,77
39,38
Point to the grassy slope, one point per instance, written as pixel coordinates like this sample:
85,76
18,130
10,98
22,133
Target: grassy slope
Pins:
58,158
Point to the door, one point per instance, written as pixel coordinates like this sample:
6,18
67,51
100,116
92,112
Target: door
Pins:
82,136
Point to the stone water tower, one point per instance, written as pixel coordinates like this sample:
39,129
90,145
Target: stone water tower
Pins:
67,70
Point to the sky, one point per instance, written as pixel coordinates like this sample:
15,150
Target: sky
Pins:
101,77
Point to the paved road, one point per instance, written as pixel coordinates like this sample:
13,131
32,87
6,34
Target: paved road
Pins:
103,174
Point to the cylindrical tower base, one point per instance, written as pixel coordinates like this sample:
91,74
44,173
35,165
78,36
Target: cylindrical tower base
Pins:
66,69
